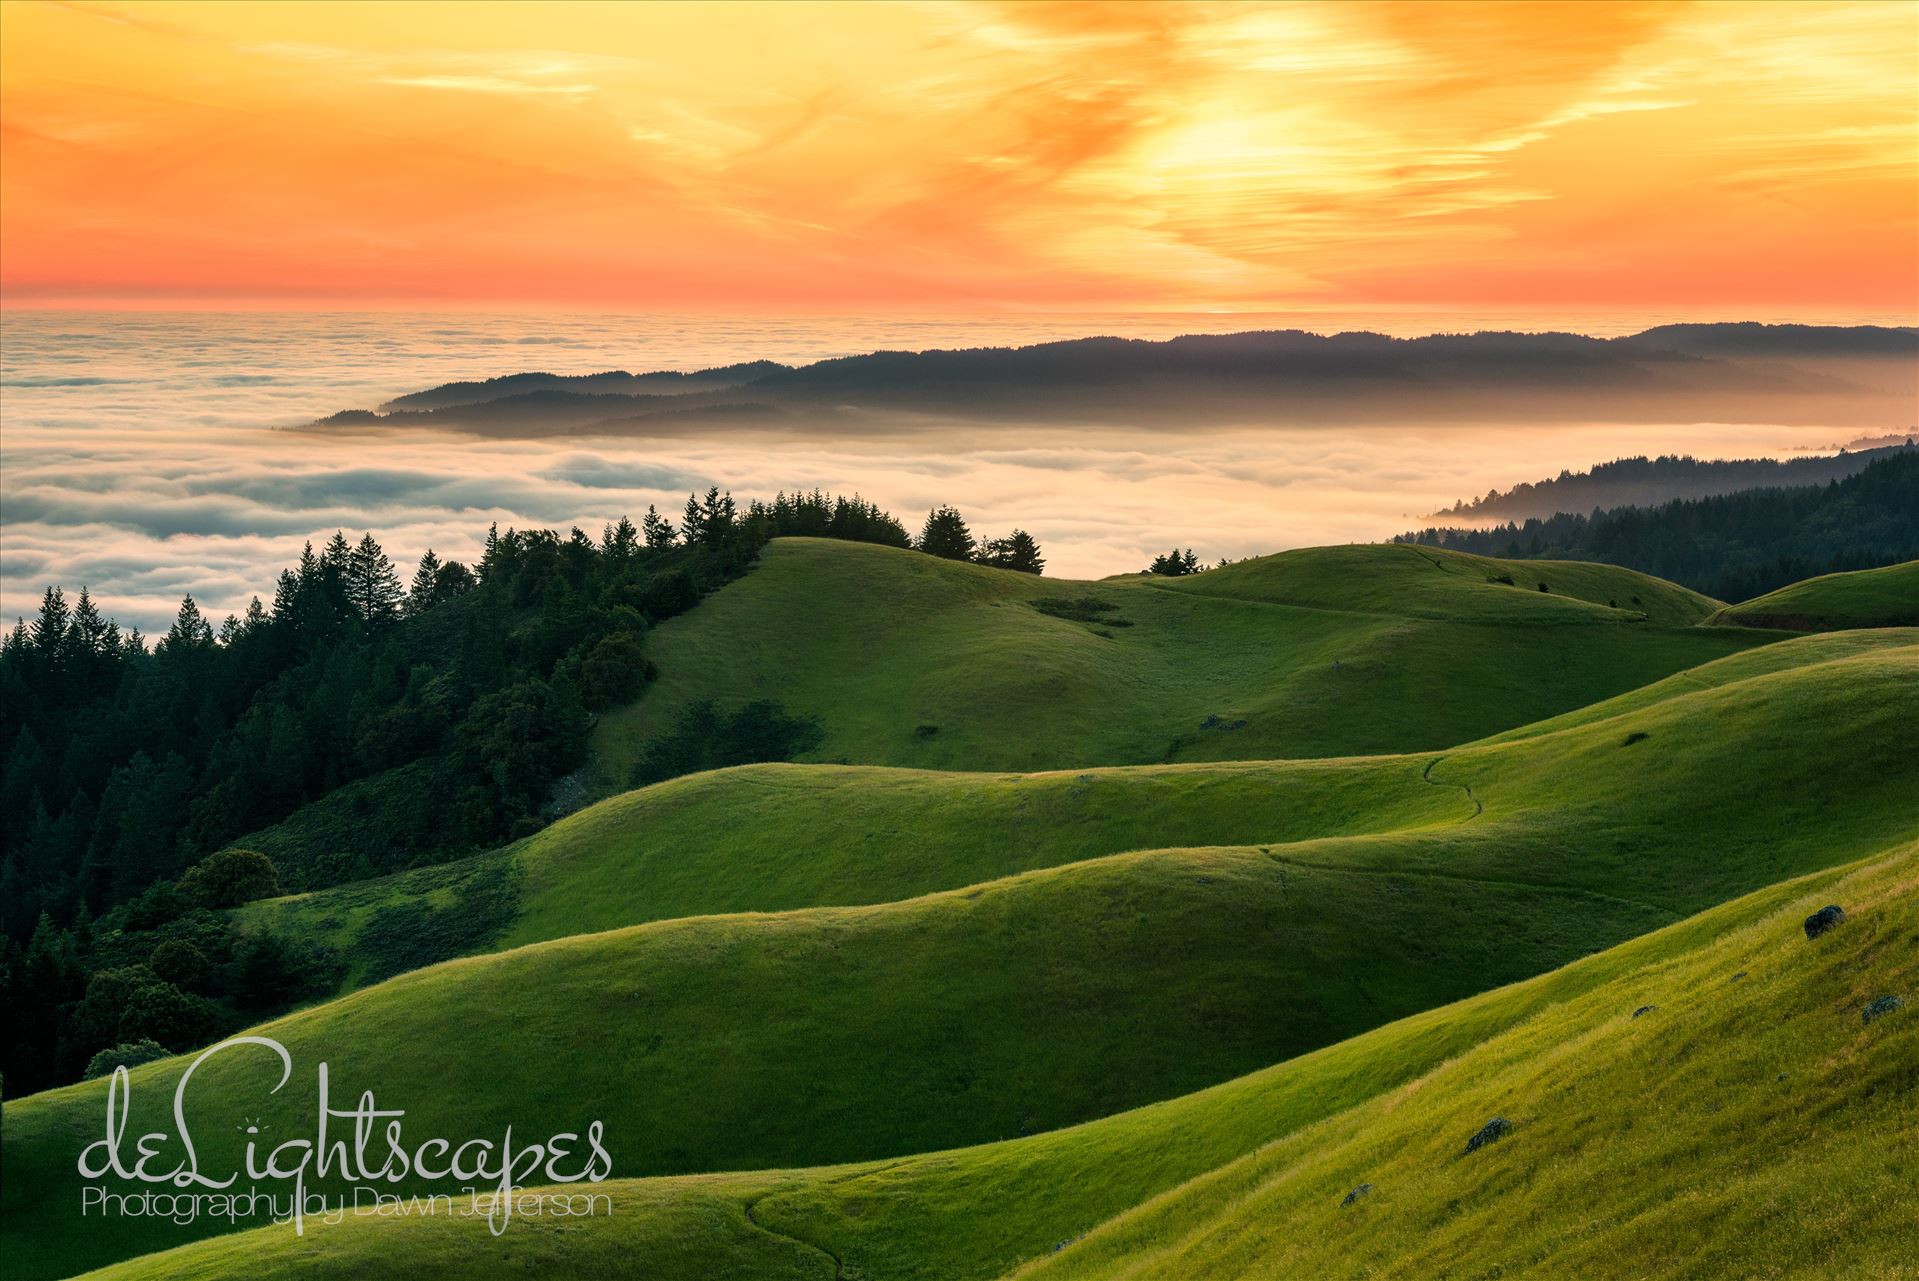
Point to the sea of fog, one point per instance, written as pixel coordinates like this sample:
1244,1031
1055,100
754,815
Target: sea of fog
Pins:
148,455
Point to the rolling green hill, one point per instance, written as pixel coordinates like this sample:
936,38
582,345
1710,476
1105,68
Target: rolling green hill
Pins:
906,659
1682,1104
777,837
1426,582
1886,597
1066,993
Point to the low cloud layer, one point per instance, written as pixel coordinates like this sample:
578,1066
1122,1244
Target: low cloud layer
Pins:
168,473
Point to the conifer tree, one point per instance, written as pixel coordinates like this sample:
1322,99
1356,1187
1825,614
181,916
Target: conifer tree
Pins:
619,541
190,632
1017,551
422,593
50,629
657,530
945,535
372,587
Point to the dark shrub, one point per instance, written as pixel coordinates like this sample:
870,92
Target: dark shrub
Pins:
130,1054
669,593
231,877
612,671
163,1013
178,962
705,738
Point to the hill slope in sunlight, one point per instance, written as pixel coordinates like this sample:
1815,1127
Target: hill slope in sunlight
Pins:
770,838
1887,597
906,659
1688,1103
1063,994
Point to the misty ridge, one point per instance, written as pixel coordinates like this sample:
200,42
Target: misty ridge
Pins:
1848,375
1642,481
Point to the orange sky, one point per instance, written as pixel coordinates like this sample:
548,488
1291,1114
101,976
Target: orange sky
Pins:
961,155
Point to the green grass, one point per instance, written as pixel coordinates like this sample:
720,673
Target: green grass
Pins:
1743,1127
1426,582
777,837
909,660
774,837
1886,597
1065,993
1800,651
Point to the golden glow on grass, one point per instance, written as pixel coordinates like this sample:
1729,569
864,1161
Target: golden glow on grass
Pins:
961,154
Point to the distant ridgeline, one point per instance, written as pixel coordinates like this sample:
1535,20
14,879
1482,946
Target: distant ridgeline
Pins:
353,727
1861,375
1643,482
1732,546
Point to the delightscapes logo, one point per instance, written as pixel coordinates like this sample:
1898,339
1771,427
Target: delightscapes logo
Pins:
364,1148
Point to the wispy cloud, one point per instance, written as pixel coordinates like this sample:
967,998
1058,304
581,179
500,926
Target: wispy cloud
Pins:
964,153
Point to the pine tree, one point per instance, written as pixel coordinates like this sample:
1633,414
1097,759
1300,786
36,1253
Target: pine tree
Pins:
88,630
421,595
691,524
945,535
1017,551
657,530
1175,564
619,541
190,632
372,588
338,552
50,629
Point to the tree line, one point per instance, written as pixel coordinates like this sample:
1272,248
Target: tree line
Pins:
1729,546
354,725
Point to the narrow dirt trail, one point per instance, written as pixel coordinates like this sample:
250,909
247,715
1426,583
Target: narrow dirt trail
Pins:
1426,776
746,1207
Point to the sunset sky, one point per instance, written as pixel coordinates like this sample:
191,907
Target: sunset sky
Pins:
961,155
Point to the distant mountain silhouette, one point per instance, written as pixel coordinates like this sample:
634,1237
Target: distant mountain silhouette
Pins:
1750,338
1861,376
614,382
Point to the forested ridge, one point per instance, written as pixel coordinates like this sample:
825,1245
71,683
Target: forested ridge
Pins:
1641,481
1729,546
149,788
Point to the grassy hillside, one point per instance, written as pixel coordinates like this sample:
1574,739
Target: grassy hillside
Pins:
1062,994
1798,652
1886,597
909,660
1426,582
1703,1137
777,837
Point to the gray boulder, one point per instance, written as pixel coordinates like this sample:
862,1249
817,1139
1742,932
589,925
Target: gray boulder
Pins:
1823,920
1881,1007
1491,1132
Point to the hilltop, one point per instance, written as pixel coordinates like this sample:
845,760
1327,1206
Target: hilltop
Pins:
1887,597
906,659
